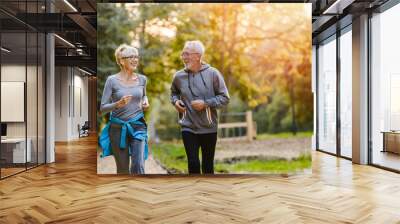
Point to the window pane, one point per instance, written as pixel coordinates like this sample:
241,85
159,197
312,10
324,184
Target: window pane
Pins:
386,89
346,94
327,97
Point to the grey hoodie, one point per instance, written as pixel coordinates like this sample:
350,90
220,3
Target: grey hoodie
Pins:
208,85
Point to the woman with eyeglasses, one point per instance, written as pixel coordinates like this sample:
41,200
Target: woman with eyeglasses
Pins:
124,96
197,91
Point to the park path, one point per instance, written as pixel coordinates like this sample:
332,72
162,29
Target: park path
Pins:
289,148
106,165
279,147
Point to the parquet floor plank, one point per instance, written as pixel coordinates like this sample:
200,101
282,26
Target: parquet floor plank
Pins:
70,191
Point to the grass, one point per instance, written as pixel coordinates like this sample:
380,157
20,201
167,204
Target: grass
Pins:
284,135
173,157
267,166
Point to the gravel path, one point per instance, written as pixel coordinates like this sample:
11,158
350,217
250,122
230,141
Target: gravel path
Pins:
274,148
281,148
107,166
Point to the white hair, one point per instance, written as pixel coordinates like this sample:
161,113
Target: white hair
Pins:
196,45
123,51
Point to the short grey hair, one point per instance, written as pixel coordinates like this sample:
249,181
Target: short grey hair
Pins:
125,50
195,45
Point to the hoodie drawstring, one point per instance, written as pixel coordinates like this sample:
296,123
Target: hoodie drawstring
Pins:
202,78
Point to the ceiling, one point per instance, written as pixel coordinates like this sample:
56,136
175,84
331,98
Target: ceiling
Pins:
74,21
330,15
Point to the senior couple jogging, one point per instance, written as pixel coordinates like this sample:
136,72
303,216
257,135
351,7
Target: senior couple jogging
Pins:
197,91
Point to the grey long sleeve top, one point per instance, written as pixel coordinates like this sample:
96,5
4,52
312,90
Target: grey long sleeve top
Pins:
114,90
208,85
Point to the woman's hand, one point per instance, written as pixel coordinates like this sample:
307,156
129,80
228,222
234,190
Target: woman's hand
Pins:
145,104
124,101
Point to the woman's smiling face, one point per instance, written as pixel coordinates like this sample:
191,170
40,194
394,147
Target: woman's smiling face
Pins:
130,62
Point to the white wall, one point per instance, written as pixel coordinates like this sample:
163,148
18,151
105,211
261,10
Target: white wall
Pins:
70,83
14,73
34,124
61,103
81,88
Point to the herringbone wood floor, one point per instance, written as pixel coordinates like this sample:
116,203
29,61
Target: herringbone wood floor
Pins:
70,191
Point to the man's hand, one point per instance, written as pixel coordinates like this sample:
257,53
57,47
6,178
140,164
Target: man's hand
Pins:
124,101
179,106
198,105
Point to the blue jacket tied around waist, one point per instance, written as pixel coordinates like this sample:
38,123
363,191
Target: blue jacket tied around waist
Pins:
105,142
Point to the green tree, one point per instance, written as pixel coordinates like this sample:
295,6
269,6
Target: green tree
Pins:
113,29
263,51
154,47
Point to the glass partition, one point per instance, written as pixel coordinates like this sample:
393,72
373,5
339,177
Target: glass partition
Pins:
13,95
31,98
346,93
327,95
385,89
22,89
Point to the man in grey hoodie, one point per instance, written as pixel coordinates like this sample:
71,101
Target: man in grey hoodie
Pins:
197,91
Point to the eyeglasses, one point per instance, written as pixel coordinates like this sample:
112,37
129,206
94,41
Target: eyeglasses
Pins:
131,57
185,54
